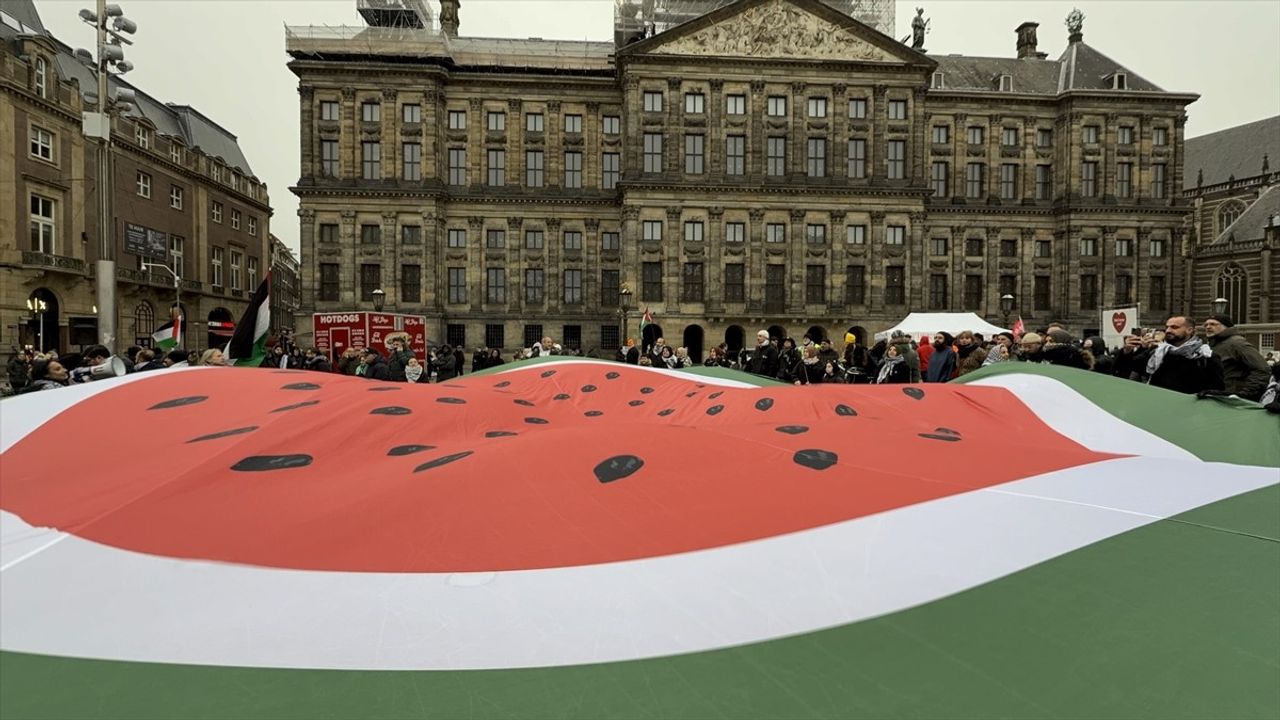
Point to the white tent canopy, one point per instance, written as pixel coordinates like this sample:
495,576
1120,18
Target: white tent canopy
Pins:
917,324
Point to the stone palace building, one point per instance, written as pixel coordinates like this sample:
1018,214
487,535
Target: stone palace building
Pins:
767,163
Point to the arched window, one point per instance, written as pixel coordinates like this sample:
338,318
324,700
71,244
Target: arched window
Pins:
144,323
1233,285
1229,213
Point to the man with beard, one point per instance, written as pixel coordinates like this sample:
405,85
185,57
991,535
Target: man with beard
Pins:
969,353
1182,362
764,360
942,362
1245,373
1060,349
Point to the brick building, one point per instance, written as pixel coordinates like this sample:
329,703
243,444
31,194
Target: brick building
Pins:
770,163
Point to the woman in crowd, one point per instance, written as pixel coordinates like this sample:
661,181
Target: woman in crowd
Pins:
47,375
894,369
810,369
213,357
413,371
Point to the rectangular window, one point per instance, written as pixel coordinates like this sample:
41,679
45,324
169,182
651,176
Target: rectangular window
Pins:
497,121
573,169
611,125
692,286
411,283
897,159
817,160
1157,180
532,334
775,233
735,105
973,291
651,230
1159,136
1089,179
411,235
457,285
693,154
855,284
1089,292
1009,137
1155,247
457,166
1008,285
495,335
1040,293
895,235
897,109
143,181
858,109
974,247
455,335
329,110
895,285
573,124
977,135
495,285
572,240
941,134
974,180
143,136
534,175
216,255
177,250
777,156
777,106
938,292
855,234
328,233
497,168
411,114
815,234
1124,289
1044,182
41,144
815,284
652,101
857,159
412,160
1125,136
1008,181
457,119
694,103
329,158
1124,180
734,283
175,197
533,240
175,152
610,288
1089,134
939,175
572,336
693,231
775,288
735,232
573,287
1043,249
253,225
370,112
329,274
533,122
817,107
1124,247
370,234
495,239
1008,248
1157,295
610,170
610,241
370,280
1089,247
651,282
938,245
653,152
457,238
610,336
371,160
44,225
1044,138
735,153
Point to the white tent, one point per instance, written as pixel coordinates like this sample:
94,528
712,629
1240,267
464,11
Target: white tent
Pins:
917,324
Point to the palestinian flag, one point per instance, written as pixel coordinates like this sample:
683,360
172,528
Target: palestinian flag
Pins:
645,320
570,538
169,336
248,345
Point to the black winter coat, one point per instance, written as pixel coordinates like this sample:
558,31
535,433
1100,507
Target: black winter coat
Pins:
764,361
1176,373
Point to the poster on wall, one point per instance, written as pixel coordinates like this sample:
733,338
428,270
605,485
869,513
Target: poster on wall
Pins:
1116,323
146,242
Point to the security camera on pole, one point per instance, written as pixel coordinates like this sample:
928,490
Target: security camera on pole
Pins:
111,24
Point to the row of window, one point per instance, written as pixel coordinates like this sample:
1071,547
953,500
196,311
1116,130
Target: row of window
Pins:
975,180
238,259
495,335
177,199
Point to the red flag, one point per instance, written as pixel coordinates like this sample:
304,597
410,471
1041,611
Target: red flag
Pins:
1019,329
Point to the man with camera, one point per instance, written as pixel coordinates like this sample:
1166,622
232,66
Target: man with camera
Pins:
1181,362
398,360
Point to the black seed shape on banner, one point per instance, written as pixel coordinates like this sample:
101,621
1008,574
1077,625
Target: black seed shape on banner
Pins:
224,433
442,461
261,463
391,410
646,390
536,421
301,386
450,385
846,411
499,433
699,385
383,389
611,376
937,436
618,467
179,402
916,393
401,450
946,431
548,373
504,383
451,401
691,394
763,404
715,409
561,396
588,388
792,429
295,406
815,459
664,413
525,403
715,395
636,403
593,413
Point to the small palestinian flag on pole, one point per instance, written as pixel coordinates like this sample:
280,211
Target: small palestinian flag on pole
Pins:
169,336
248,345
1019,329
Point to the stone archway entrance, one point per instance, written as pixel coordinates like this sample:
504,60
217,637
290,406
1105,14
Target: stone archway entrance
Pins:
42,327
734,337
693,342
651,333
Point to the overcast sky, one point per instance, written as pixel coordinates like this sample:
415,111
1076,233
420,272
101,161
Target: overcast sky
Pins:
226,57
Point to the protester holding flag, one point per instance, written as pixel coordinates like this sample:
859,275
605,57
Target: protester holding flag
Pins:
169,336
248,346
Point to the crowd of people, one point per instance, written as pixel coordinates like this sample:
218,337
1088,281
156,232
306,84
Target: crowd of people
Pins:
1216,361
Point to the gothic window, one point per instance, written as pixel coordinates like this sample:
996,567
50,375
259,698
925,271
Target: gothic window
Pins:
1233,286
1229,213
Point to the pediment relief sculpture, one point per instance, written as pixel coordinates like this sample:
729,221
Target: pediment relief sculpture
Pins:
776,29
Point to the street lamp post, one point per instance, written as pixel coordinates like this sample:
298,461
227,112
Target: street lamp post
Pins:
1006,306
379,299
177,287
1220,306
37,308
624,304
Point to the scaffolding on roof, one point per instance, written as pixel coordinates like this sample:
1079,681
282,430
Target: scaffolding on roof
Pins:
637,19
395,13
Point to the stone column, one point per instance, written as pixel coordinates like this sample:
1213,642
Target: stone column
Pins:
797,134
633,133
838,155
672,245
390,138
515,264
714,268
308,270
306,121
432,267
553,146
715,148
515,143
875,263
916,141
795,258
630,267
553,276
390,259
349,293
758,137
432,133
349,161
838,256
475,144
476,275
591,162
674,145
591,299
755,267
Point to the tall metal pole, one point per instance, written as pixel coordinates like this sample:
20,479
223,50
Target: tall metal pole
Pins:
106,266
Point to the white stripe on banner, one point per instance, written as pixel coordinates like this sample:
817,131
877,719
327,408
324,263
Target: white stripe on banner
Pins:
81,599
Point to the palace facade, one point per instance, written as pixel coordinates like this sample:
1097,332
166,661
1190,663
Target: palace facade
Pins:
771,163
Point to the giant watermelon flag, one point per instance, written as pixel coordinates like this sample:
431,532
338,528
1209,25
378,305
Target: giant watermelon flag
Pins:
567,538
